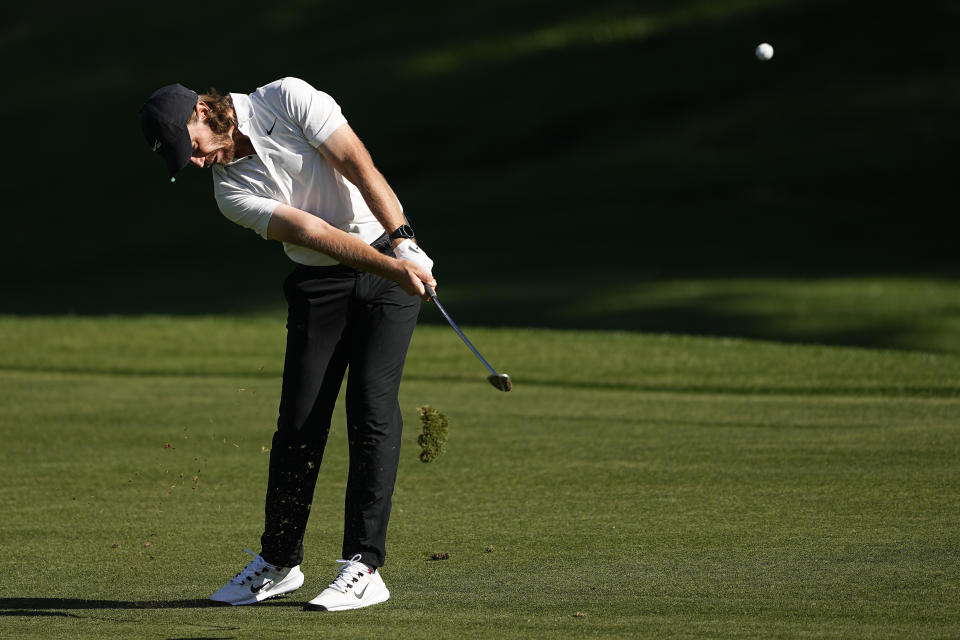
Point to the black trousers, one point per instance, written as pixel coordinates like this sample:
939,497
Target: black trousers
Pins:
339,318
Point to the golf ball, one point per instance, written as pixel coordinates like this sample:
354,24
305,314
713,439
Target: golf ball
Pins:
764,51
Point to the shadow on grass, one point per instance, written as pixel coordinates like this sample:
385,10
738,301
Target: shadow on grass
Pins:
67,608
62,606
916,311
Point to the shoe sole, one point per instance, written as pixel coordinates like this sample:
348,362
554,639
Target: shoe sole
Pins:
282,587
320,607
350,607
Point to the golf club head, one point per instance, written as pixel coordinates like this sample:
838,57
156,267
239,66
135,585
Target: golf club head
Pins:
500,381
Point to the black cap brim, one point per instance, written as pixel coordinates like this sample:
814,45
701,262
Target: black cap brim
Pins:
163,119
178,151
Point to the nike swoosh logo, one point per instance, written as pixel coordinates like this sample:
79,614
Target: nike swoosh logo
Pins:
360,593
257,588
270,130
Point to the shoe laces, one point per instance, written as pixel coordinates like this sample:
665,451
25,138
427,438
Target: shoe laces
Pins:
350,574
256,567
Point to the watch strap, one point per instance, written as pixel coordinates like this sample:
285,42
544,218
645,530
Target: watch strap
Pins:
403,231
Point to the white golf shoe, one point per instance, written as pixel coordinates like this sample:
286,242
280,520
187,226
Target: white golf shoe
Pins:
258,581
357,586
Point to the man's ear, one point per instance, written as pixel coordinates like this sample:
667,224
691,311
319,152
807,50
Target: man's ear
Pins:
202,110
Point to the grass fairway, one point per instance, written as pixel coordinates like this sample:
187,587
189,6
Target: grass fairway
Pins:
663,486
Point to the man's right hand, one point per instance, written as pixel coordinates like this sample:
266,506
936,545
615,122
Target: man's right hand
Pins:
412,277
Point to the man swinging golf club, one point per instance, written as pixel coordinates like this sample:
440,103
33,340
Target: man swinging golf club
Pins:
287,165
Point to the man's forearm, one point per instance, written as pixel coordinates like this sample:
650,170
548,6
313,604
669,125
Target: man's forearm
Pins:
380,198
288,224
351,251
346,153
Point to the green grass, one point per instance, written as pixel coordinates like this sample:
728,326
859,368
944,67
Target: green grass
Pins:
893,312
665,486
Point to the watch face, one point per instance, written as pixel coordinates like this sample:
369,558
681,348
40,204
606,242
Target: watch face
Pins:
403,231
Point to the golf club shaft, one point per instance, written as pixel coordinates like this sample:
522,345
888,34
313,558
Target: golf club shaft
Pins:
453,324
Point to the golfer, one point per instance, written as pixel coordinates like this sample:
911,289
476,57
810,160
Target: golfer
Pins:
287,165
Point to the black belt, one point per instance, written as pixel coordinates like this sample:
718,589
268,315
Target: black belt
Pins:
381,244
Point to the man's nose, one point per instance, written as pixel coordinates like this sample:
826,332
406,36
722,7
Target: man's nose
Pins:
197,161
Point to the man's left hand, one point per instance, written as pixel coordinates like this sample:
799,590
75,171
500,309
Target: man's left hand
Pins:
408,250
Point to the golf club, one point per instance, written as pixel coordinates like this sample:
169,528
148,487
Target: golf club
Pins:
499,380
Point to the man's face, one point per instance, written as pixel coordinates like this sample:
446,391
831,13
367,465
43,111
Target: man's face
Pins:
209,148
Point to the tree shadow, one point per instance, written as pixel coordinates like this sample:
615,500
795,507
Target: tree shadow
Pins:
668,149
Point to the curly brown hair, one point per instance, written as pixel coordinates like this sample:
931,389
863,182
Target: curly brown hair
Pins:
222,114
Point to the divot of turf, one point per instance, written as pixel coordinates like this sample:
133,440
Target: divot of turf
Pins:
433,439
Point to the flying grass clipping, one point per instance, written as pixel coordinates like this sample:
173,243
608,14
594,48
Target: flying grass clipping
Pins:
433,439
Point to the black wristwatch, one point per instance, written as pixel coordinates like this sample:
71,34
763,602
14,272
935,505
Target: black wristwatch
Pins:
403,231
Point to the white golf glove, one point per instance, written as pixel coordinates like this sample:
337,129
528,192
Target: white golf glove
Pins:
407,250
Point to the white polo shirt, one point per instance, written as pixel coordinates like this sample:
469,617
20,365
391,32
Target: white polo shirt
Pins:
286,121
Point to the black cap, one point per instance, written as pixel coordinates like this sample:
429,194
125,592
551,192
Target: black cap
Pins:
163,118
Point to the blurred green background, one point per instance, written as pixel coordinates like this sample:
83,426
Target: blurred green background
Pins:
616,165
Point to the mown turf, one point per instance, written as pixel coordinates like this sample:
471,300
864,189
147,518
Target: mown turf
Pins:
662,486
893,312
